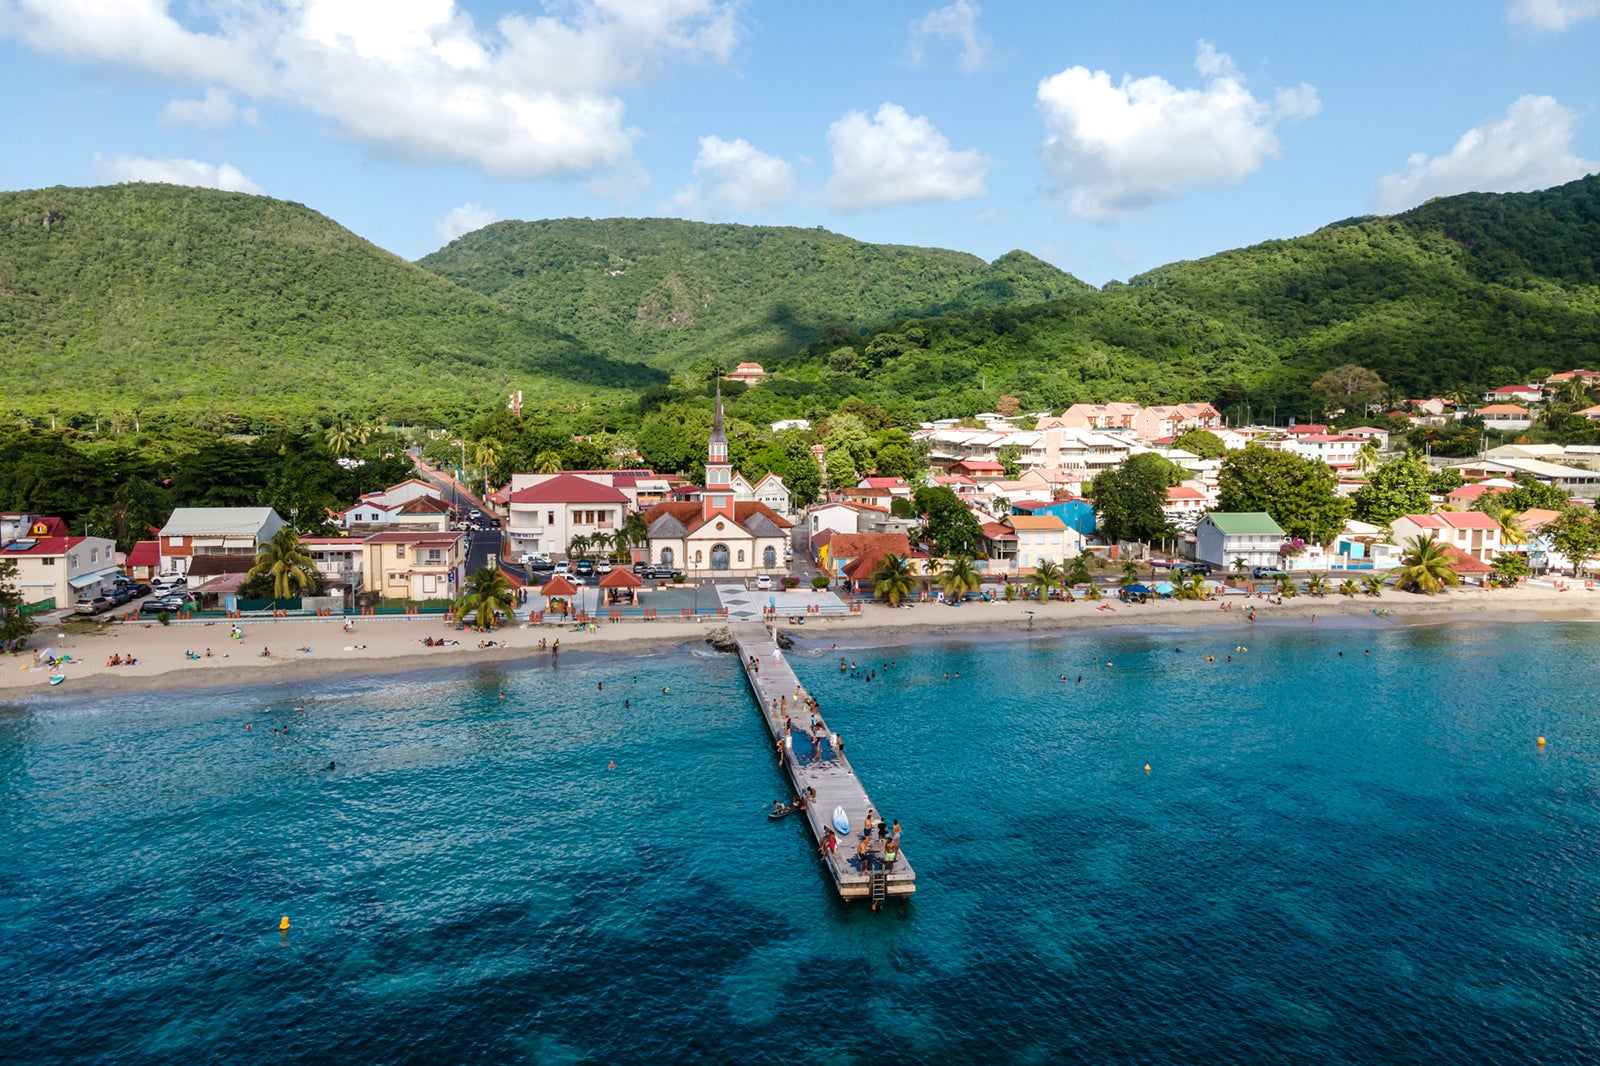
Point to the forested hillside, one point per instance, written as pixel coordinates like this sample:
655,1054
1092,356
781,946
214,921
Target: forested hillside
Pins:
1462,293
669,291
160,298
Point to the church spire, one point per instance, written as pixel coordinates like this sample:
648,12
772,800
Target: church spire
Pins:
717,436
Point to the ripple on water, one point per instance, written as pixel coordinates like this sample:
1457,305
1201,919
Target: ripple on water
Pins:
1332,859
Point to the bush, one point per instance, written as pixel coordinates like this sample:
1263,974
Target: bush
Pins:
790,582
819,582
164,618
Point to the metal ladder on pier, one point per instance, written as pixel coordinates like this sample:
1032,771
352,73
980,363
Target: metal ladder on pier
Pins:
880,888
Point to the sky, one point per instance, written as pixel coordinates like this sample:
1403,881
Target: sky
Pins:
1108,139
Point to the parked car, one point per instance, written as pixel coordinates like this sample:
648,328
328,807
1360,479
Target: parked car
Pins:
152,608
1267,573
564,567
93,605
474,515
603,566
585,567
763,583
543,566
141,589
119,595
1203,569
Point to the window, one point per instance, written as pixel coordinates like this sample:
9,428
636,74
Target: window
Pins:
697,558
741,555
769,558
399,551
72,561
719,557
666,556
549,518
94,555
48,560
434,555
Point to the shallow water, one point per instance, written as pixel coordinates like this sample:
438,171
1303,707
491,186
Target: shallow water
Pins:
1331,859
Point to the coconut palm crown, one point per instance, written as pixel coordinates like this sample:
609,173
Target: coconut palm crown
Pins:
291,566
892,578
486,595
1425,568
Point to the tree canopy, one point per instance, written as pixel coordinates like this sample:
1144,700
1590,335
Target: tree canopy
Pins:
1300,494
947,524
1129,499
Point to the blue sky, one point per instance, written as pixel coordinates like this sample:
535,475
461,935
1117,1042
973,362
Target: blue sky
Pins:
1105,138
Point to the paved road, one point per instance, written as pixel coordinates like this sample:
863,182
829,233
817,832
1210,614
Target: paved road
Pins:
481,544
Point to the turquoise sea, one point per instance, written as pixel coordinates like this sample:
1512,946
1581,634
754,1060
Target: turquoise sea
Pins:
1356,858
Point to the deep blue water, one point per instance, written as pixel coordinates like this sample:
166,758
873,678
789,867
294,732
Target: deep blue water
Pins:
1363,859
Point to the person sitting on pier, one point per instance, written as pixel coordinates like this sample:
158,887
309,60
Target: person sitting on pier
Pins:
830,841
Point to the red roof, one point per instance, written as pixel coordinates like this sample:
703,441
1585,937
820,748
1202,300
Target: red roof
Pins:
998,531
1183,492
620,578
1306,429
558,586
145,553
886,483
1453,520
569,488
977,464
1469,492
1503,409
855,545
692,515
1464,563
40,546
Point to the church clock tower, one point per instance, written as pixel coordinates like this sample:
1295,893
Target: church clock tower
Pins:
718,497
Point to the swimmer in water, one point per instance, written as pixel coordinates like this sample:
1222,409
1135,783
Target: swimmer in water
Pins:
611,766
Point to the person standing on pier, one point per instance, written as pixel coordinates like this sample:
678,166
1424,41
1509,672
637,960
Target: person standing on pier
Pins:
864,855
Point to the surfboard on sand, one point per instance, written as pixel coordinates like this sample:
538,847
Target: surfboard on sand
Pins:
841,821
58,679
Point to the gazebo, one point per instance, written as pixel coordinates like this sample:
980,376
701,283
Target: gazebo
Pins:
558,588
618,580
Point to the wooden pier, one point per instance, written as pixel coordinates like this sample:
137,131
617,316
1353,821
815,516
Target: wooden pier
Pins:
774,685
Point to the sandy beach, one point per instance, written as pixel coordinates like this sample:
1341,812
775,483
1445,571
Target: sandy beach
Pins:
394,645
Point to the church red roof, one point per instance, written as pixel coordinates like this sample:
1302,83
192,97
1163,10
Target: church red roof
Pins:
692,515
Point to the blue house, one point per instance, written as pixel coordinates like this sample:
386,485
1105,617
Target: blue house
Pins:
1075,511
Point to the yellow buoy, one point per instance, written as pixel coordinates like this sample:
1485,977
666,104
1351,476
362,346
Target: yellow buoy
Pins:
284,925
1541,742
1146,767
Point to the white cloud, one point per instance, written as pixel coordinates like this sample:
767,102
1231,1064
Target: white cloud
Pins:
417,78
1527,148
214,111
892,158
1552,15
958,23
463,219
735,176
224,176
1119,147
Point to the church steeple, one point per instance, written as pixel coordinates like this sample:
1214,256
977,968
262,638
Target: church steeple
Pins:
718,496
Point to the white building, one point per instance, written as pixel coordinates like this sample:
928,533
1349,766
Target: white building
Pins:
54,567
1222,537
546,516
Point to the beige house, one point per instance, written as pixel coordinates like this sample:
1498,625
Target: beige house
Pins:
53,567
1043,538
417,566
1472,531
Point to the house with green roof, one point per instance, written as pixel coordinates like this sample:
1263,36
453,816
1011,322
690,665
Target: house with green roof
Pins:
1223,536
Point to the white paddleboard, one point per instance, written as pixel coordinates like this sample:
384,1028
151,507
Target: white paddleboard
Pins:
841,821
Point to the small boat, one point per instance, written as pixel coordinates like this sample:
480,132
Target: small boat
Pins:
781,812
841,822
57,679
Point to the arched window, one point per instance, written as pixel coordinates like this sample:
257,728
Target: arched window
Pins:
697,557
719,557
666,556
769,558
741,555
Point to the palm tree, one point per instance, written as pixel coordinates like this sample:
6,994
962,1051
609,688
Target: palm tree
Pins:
1081,570
638,532
1348,588
547,462
341,438
1092,593
1367,457
1241,566
579,547
1193,589
893,580
487,594
1130,573
1373,586
1511,531
620,541
290,565
1426,568
1046,577
487,453
1316,585
959,578
1286,588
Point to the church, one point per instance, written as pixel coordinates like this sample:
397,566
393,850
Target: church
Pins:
718,535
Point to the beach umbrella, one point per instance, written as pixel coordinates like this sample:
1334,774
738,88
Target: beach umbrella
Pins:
558,587
1164,589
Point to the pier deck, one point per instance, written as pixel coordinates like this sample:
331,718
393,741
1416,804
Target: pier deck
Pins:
836,783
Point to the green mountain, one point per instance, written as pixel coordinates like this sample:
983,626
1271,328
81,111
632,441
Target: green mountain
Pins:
1463,292
667,291
162,299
